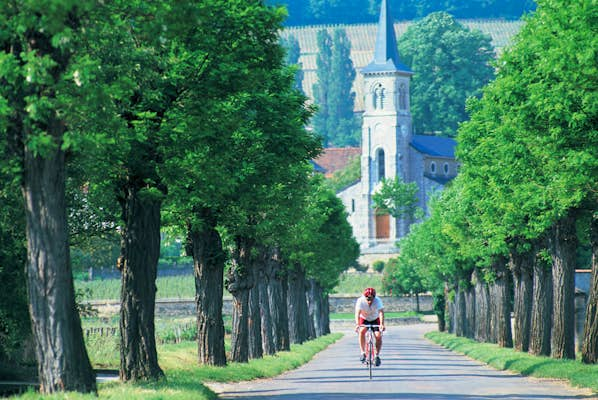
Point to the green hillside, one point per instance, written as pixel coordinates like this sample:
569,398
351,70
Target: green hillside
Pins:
363,37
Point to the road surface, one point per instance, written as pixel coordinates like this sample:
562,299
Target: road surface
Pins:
412,368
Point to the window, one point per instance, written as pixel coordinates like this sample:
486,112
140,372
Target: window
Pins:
433,167
381,170
352,205
446,168
378,97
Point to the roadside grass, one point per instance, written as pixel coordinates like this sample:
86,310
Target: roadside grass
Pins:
578,374
185,379
183,287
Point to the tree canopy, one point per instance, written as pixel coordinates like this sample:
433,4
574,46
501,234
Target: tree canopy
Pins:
450,64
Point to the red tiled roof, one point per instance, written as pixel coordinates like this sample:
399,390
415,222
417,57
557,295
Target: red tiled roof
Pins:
333,159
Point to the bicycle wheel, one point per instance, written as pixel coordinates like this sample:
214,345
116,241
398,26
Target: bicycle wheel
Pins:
370,352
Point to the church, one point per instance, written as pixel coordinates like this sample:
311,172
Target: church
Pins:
389,149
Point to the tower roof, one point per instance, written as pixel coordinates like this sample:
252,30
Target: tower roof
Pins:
386,54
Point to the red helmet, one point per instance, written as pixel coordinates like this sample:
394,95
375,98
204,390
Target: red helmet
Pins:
369,292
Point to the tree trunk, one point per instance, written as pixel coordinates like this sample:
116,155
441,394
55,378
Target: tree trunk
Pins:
521,265
589,347
460,310
541,307
208,268
277,295
263,279
63,363
139,268
501,305
439,300
470,315
450,308
239,282
297,306
482,308
317,303
563,246
254,322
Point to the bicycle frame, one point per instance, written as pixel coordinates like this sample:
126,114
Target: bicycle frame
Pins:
369,346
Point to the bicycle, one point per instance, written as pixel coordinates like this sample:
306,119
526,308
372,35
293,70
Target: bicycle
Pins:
369,346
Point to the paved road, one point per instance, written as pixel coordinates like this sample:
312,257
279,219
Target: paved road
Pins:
412,368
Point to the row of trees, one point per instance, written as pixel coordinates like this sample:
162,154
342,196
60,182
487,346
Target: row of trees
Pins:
133,116
525,198
314,12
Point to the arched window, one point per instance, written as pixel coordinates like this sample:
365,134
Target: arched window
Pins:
446,168
433,167
378,97
381,170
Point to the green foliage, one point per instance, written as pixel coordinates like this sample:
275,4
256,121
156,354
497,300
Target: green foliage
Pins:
378,266
397,198
362,11
346,176
451,63
322,241
15,326
401,278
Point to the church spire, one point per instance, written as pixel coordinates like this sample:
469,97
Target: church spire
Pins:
386,54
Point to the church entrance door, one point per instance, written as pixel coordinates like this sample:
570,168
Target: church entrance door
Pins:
382,226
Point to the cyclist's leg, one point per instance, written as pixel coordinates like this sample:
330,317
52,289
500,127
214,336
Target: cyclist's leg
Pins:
378,336
362,343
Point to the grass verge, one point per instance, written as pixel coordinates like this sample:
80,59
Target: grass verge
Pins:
184,379
578,374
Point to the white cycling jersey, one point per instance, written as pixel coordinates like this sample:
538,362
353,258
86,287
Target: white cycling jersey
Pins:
369,312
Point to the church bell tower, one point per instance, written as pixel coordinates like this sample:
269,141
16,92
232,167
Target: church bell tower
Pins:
386,130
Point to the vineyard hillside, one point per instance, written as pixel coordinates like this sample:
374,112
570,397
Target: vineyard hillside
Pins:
363,37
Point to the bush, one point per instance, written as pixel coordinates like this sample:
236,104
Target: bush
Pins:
378,266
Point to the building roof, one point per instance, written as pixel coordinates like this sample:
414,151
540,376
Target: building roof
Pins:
333,159
434,145
317,167
386,53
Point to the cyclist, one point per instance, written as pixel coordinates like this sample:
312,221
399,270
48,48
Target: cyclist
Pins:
369,310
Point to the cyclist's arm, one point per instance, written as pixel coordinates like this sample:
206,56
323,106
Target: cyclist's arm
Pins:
357,313
381,316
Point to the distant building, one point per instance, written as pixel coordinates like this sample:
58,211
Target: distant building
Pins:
389,148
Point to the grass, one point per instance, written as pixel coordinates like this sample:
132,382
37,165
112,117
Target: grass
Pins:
183,287
578,374
185,379
354,283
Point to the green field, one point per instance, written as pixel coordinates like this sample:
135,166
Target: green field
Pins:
183,287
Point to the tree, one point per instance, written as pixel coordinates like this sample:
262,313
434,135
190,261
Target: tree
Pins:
401,278
397,198
43,88
291,44
451,63
322,243
335,119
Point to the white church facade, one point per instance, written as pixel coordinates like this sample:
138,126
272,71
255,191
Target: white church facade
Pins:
390,149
